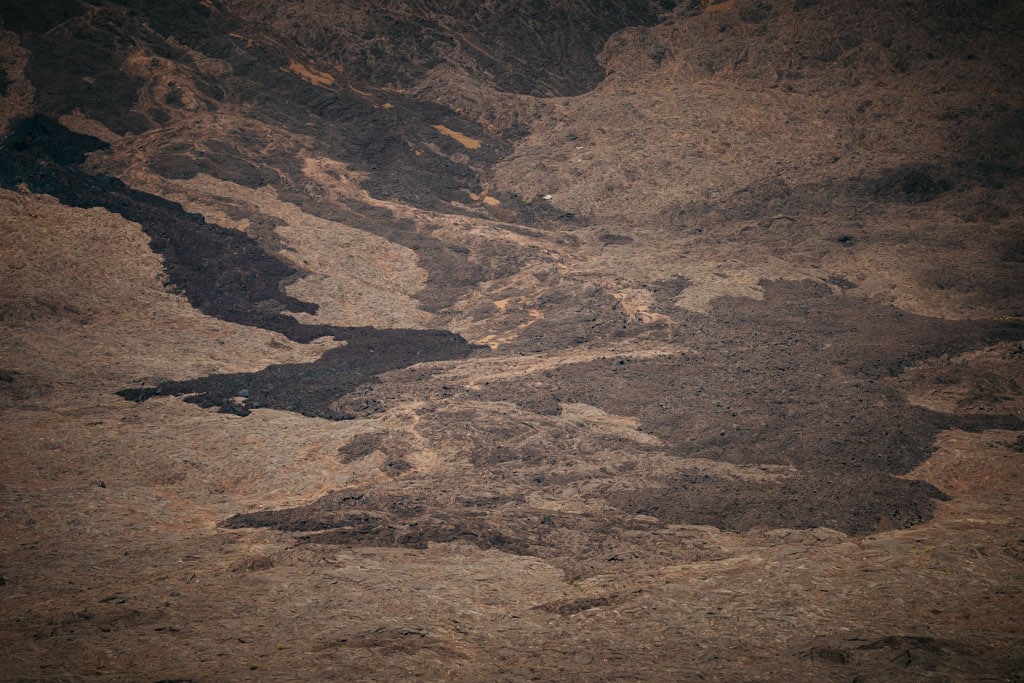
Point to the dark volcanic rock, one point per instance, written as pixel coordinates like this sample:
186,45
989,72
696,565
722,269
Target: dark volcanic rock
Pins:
537,48
222,272
79,63
38,17
796,383
311,388
796,380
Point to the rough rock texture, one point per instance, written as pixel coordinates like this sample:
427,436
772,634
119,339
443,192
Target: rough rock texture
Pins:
561,340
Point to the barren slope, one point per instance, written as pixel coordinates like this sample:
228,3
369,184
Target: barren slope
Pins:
478,341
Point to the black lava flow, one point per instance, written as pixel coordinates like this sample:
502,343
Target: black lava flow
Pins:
223,273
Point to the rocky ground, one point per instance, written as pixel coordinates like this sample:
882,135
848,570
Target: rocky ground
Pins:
628,340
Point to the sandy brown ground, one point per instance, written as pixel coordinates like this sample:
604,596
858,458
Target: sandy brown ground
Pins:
492,518
115,566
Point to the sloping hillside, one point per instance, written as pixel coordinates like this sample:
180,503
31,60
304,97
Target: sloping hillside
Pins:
563,340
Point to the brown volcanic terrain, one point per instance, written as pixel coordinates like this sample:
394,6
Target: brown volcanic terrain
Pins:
512,341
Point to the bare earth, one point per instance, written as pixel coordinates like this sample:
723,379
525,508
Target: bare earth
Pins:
590,341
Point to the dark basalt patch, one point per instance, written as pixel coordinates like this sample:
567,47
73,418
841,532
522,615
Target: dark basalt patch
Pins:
361,517
15,386
430,511
503,444
451,271
390,446
228,165
38,17
405,157
223,273
915,656
312,388
390,137
569,606
571,318
416,536
853,503
612,239
538,48
480,511
799,380
78,64
795,380
911,184
772,199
